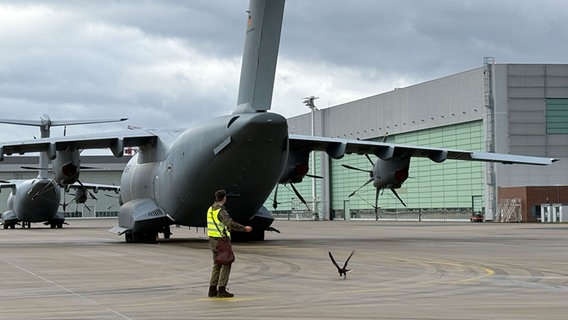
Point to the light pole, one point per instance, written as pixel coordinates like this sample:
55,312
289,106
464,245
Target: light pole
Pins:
309,102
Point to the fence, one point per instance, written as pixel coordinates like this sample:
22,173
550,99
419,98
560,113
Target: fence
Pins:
430,214
438,214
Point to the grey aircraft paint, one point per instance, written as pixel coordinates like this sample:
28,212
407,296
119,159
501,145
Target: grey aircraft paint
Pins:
38,200
176,172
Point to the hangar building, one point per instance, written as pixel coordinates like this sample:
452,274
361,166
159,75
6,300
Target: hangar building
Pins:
505,108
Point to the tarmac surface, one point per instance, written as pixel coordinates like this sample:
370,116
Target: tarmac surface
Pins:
402,270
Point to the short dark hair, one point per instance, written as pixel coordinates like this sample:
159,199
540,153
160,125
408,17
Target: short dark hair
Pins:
220,194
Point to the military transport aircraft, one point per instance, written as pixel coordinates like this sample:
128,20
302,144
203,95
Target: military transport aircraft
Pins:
173,177
37,200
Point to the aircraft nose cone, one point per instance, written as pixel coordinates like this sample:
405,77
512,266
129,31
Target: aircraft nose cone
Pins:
267,126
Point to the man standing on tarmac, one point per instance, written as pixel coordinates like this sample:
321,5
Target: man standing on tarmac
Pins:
219,223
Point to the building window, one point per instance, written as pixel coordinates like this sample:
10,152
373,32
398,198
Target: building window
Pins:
557,116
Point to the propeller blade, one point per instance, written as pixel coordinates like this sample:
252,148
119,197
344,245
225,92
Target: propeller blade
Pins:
369,158
274,203
353,168
89,191
364,184
377,203
34,168
299,196
90,168
64,205
397,196
47,187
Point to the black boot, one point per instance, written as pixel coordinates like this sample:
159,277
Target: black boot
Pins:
223,293
212,291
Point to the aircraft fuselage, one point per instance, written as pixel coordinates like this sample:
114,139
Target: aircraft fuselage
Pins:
241,153
34,200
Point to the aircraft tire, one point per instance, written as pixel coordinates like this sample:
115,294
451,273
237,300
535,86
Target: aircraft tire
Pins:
258,236
247,236
128,236
132,237
167,232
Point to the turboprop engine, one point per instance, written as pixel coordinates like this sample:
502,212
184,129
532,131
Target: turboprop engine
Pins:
66,167
386,173
296,168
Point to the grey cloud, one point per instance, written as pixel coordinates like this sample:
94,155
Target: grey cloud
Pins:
169,63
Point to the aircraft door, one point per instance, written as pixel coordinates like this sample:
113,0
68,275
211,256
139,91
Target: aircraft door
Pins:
166,194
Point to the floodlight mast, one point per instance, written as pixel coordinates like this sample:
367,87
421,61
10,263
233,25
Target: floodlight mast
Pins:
309,102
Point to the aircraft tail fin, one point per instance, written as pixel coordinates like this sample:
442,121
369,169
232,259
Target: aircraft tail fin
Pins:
264,23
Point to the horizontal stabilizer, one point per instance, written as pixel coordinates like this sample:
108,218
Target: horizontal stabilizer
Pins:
46,121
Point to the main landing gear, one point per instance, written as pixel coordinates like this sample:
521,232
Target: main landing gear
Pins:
146,237
8,225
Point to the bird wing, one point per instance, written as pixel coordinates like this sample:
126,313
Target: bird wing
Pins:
346,261
333,261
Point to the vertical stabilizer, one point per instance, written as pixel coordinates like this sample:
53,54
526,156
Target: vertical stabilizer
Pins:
264,23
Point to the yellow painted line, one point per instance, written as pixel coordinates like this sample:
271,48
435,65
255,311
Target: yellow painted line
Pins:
235,299
487,273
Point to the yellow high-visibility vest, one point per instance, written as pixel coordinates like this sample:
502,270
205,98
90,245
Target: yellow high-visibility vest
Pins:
212,219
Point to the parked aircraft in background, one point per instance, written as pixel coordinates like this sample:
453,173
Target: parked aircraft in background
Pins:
173,177
38,200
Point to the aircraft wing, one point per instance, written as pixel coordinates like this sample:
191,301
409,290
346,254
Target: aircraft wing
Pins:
337,148
94,186
115,141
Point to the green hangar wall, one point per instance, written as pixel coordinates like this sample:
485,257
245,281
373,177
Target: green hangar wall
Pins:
430,185
505,108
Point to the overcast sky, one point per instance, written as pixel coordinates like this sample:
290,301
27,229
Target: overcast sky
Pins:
168,64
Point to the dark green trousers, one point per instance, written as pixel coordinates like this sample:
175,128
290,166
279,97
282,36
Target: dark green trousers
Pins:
219,273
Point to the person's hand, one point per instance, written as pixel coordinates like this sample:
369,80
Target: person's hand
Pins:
248,228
